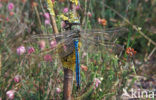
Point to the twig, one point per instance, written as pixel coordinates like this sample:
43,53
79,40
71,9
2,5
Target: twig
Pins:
38,17
154,49
85,13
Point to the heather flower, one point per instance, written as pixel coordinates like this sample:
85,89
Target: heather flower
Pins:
77,7
46,15
58,90
31,50
17,79
42,44
97,82
65,10
10,94
84,54
65,48
20,50
63,24
53,1
48,57
7,19
1,5
10,6
89,14
53,44
47,22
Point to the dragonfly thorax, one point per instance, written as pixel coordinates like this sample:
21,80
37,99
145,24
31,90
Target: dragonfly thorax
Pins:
76,34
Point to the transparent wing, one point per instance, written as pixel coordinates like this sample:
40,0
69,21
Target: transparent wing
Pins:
99,50
61,44
103,38
107,34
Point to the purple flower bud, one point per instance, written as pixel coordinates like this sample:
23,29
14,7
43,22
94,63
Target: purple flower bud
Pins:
53,1
97,82
48,57
46,15
10,6
63,24
17,79
89,14
47,22
20,50
1,5
84,54
10,94
77,7
42,44
31,50
53,44
65,10
58,90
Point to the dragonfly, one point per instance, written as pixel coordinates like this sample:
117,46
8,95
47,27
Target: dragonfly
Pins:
68,44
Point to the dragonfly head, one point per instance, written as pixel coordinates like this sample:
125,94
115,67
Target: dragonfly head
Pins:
70,26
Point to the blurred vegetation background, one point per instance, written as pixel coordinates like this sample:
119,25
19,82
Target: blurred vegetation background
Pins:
40,83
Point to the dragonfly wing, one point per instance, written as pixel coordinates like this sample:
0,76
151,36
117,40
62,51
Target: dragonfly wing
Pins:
93,46
108,34
61,44
105,39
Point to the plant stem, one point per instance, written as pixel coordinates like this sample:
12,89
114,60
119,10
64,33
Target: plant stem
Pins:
68,84
54,26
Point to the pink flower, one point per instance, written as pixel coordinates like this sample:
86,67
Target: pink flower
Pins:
31,50
42,44
20,50
1,5
10,6
65,48
84,54
65,10
47,22
63,24
77,7
10,94
58,90
46,15
53,1
17,79
7,19
47,57
97,82
53,44
89,14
